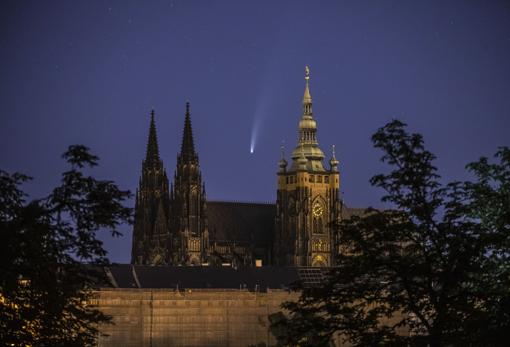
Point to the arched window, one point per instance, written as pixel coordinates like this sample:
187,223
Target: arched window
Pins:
317,226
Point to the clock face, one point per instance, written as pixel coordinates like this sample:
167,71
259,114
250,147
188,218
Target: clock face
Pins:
317,209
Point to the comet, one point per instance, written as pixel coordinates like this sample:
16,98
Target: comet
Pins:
257,119
262,108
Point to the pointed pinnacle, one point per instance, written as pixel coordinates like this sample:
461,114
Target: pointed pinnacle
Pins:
152,143
187,146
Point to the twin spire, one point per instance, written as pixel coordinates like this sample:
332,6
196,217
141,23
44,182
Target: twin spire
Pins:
152,155
187,146
307,130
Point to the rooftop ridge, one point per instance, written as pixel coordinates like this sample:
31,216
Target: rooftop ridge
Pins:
242,202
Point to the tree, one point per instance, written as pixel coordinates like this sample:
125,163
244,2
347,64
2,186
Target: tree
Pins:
50,257
432,270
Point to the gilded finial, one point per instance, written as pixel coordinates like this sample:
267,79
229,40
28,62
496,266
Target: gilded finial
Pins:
282,163
307,98
333,161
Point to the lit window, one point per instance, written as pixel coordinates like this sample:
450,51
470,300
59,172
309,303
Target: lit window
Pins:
312,178
319,179
326,179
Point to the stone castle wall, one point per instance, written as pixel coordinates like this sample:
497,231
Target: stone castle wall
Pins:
205,317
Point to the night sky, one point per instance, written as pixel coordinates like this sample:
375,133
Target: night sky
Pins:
89,72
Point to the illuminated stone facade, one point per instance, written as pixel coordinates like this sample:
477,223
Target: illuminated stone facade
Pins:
308,204
194,305
207,317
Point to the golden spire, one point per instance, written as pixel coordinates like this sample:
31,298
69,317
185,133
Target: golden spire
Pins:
307,98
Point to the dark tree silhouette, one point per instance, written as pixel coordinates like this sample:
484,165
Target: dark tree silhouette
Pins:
50,258
432,270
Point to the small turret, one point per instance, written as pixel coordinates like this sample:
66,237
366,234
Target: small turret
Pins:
302,161
282,164
333,161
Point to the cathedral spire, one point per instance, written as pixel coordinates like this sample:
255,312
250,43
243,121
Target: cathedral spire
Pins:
190,234
308,134
152,143
307,97
187,147
151,236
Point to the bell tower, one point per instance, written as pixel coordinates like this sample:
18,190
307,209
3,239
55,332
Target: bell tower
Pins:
307,203
188,204
151,233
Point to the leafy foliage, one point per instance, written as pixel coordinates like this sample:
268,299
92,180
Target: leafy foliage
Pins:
50,258
433,270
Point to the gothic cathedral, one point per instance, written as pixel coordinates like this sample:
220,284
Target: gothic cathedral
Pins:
172,226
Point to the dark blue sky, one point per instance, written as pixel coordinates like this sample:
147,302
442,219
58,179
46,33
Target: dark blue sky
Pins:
89,72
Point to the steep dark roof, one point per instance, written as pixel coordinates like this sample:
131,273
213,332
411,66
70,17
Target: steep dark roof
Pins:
252,223
184,277
241,222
